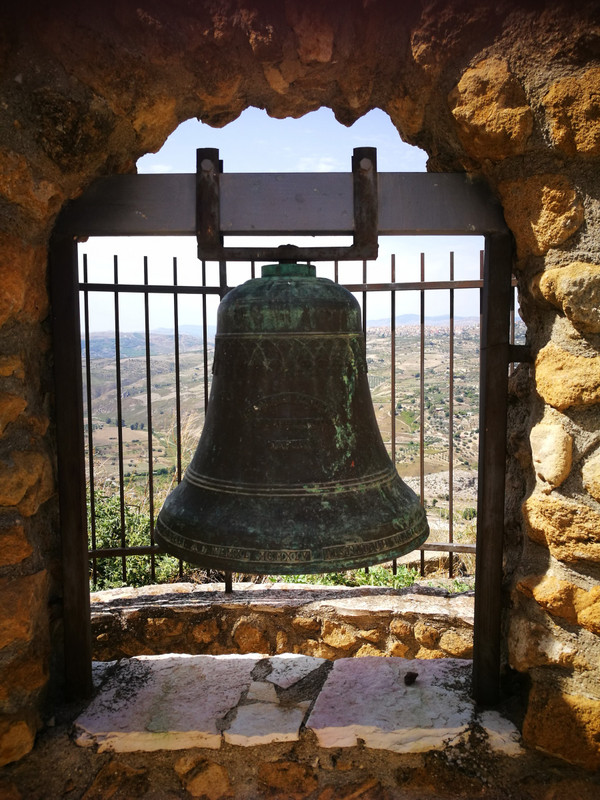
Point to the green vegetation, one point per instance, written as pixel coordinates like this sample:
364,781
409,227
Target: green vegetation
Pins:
109,571
376,576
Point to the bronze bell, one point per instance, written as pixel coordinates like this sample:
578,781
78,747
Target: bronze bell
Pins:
291,474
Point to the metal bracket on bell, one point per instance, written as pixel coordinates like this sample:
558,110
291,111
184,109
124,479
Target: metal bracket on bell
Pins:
365,213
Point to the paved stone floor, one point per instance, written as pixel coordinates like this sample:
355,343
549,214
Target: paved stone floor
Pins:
289,727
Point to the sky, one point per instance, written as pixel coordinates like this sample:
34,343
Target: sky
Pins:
257,143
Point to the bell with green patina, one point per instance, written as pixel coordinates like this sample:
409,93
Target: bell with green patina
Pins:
291,474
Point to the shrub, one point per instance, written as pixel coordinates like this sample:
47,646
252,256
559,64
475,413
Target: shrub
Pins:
109,571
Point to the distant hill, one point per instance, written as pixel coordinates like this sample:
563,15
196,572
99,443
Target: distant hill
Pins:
133,344
415,319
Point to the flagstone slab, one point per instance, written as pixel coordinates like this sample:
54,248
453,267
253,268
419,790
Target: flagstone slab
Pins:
168,702
379,701
263,723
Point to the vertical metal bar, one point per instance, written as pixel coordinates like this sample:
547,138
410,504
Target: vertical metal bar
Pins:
422,401
178,467
70,447
451,427
177,370
149,416
204,340
119,416
336,272
393,376
492,465
90,437
364,303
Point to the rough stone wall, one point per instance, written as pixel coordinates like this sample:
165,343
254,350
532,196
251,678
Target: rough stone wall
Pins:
506,89
326,622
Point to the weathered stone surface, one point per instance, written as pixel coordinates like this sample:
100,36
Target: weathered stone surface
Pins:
590,473
205,631
573,109
264,723
165,703
367,699
575,290
23,602
204,778
250,638
456,644
287,778
564,724
537,639
116,779
565,380
342,637
569,529
22,677
14,545
23,290
552,451
542,211
283,619
26,481
490,107
563,599
288,669
12,365
425,634
16,739
11,406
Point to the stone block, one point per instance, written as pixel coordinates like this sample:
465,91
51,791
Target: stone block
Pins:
564,725
22,291
287,779
590,472
339,635
456,644
552,451
204,778
205,631
11,407
561,598
426,634
573,110
368,699
491,110
20,678
165,703
14,545
575,290
249,637
566,380
542,211
533,644
570,530
116,779
26,481
12,366
16,739
24,603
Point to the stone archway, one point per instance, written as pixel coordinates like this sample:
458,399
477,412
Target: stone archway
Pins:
503,90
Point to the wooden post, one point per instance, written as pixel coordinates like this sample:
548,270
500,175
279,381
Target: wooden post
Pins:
64,294
495,311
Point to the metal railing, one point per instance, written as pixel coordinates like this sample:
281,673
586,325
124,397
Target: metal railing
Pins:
136,471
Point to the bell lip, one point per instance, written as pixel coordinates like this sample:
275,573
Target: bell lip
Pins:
302,568
288,270
415,538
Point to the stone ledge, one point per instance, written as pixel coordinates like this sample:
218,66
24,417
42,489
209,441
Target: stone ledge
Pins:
326,622
177,702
